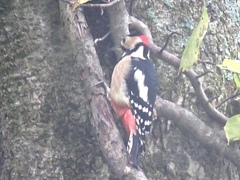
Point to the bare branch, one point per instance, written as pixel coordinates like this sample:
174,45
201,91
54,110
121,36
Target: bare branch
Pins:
168,38
93,5
203,74
207,62
118,23
175,62
225,100
215,97
197,129
167,41
102,38
101,5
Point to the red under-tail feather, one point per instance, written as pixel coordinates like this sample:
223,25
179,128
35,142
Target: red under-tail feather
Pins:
127,118
129,123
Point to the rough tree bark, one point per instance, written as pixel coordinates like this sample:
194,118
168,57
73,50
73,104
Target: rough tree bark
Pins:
91,75
194,126
50,94
45,113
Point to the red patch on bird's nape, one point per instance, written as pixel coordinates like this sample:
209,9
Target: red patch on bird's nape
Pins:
144,39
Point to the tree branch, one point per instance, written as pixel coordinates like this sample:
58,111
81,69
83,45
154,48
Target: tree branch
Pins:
225,100
102,119
110,140
92,5
182,117
196,128
101,5
118,23
191,75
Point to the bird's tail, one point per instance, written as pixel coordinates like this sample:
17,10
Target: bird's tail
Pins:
134,149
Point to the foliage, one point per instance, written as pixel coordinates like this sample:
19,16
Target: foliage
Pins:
234,67
191,52
232,128
231,65
236,78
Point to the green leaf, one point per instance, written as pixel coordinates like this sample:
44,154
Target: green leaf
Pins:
232,128
236,79
191,52
231,65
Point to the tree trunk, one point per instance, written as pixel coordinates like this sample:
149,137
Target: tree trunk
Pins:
55,120
45,109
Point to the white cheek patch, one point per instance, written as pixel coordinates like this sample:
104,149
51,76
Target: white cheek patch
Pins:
139,53
143,90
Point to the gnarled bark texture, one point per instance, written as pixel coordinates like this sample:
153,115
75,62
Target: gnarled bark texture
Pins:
55,120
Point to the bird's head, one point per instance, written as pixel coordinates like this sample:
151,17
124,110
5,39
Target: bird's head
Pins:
129,42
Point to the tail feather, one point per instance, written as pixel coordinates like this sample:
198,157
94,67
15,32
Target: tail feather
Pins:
134,149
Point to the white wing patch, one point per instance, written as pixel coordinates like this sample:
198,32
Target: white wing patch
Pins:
143,90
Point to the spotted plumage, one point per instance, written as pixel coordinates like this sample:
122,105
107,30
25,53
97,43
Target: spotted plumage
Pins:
142,86
133,92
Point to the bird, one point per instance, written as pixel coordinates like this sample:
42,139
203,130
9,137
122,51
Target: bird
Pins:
133,91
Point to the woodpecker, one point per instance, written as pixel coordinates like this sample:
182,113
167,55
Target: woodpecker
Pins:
133,92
